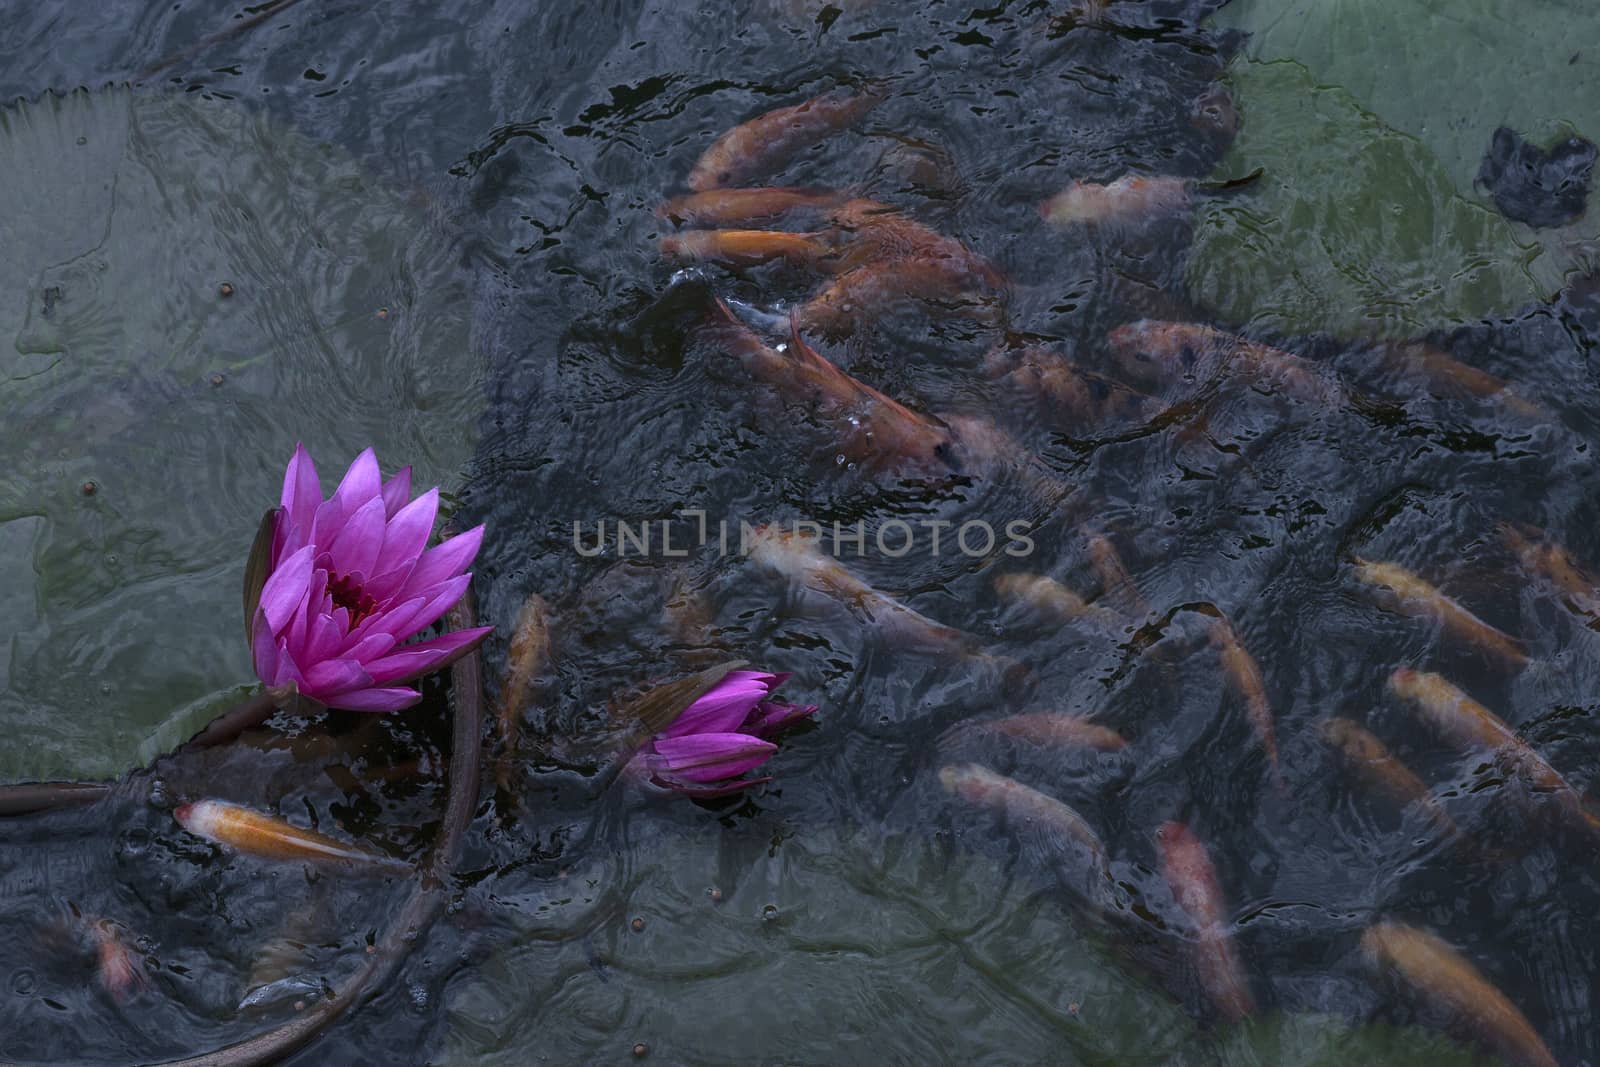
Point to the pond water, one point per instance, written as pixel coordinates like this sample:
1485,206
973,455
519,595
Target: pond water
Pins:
433,228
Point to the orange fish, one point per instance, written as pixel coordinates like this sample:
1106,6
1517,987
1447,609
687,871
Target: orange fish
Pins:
256,834
1410,595
747,248
1370,760
1555,564
527,656
1130,197
736,207
1152,351
1449,377
1051,728
1025,807
1244,676
1053,601
1447,981
1076,396
1198,892
767,142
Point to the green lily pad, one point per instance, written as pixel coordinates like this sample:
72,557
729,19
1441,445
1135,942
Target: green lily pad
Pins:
148,416
1354,228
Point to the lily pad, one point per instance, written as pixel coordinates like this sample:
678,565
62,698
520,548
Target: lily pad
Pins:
1354,228
186,289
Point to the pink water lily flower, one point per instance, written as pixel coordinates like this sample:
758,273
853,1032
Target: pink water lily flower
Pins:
720,736
351,579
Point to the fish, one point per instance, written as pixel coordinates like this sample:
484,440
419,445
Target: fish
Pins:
1555,564
1116,584
1187,868
1447,981
747,248
1128,198
1370,760
1051,728
1244,676
1054,601
119,965
1448,376
268,837
1410,595
1078,397
1024,806
1152,352
788,554
766,143
871,429
526,657
737,207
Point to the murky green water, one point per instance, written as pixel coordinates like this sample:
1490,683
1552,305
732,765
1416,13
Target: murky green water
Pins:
438,222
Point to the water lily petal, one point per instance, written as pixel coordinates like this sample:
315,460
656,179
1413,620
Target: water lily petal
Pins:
361,483
412,661
323,638
302,491
357,546
327,679
722,709
396,491
407,533
771,717
287,671
376,699
285,588
708,792
439,600
263,648
445,560
710,757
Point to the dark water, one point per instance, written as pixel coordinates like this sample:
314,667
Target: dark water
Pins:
864,916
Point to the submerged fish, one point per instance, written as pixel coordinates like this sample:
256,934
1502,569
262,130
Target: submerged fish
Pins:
1054,601
1116,584
1187,867
1447,376
1370,760
1024,806
736,207
747,248
119,965
1244,677
1447,981
1130,197
1077,397
767,142
797,558
1050,728
527,656
256,834
1410,595
1159,352
1555,564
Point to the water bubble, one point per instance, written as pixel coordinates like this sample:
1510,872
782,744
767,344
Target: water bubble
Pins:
23,983
769,912
419,996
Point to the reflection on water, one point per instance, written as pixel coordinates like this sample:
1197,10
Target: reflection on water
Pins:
1200,539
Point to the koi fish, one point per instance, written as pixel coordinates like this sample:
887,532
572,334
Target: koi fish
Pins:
256,834
736,207
119,966
1054,601
1131,196
787,554
1447,981
1025,806
1370,760
1051,728
747,248
1152,351
1548,559
1449,377
1115,582
767,142
1086,398
526,657
1197,891
1244,676
1410,595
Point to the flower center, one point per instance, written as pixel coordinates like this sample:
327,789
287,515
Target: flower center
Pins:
347,593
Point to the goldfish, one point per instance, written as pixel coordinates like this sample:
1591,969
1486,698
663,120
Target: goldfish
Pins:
1447,981
1131,196
731,207
1450,377
790,555
767,142
269,837
1153,351
119,965
747,248
1072,393
1556,565
1410,595
1371,761
1116,584
1051,728
1244,677
1025,806
1050,599
527,656
1197,891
